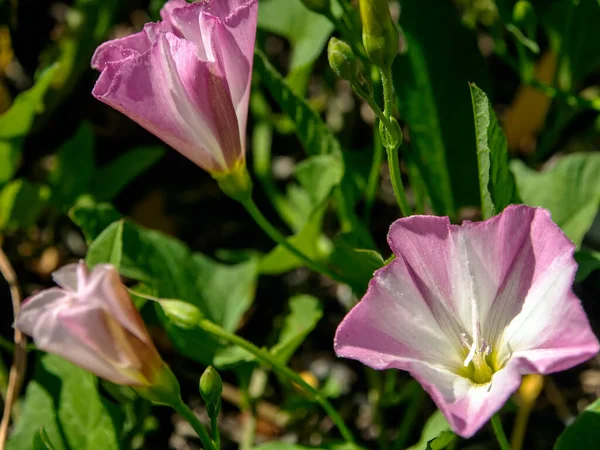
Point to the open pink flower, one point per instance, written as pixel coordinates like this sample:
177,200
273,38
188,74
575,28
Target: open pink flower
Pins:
186,79
91,321
469,309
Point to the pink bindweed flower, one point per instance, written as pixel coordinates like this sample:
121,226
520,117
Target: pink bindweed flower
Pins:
186,79
469,309
91,321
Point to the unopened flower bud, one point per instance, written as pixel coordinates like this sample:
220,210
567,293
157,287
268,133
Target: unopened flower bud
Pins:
380,35
211,388
318,6
524,14
342,59
181,314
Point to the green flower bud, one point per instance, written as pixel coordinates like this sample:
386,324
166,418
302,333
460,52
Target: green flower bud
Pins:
380,35
211,388
318,6
524,14
342,59
181,314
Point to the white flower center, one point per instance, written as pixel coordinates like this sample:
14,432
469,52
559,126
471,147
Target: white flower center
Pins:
476,364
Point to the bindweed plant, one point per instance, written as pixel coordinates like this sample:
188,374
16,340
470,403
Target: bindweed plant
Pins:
306,132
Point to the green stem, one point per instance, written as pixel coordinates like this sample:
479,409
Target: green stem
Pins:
392,150
499,432
266,358
274,234
191,418
214,430
388,91
397,185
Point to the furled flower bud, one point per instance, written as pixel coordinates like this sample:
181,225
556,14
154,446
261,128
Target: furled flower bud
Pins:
211,388
380,35
91,321
342,59
182,314
318,6
186,79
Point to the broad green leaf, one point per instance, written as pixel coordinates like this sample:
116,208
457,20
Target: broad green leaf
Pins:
42,441
305,313
306,31
436,426
312,132
10,154
584,432
496,182
319,175
356,264
587,262
308,240
73,167
431,82
442,441
64,400
17,121
93,218
570,190
108,247
112,178
21,203
223,293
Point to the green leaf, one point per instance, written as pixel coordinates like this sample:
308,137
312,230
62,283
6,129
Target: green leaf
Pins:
444,439
305,313
21,203
63,400
112,178
93,218
572,37
73,168
354,263
308,240
10,154
223,293
496,181
436,426
587,261
286,446
17,121
431,82
42,441
318,175
314,135
108,247
584,432
306,31
570,190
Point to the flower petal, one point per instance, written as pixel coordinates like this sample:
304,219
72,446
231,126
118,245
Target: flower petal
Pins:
109,290
467,406
233,41
551,333
34,308
71,276
393,325
178,97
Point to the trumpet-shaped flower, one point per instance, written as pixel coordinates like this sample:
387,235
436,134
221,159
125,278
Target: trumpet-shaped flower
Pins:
91,321
186,79
469,309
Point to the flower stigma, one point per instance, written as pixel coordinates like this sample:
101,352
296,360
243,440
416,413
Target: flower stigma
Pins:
476,365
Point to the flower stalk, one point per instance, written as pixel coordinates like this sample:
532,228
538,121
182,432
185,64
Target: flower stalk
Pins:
266,358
